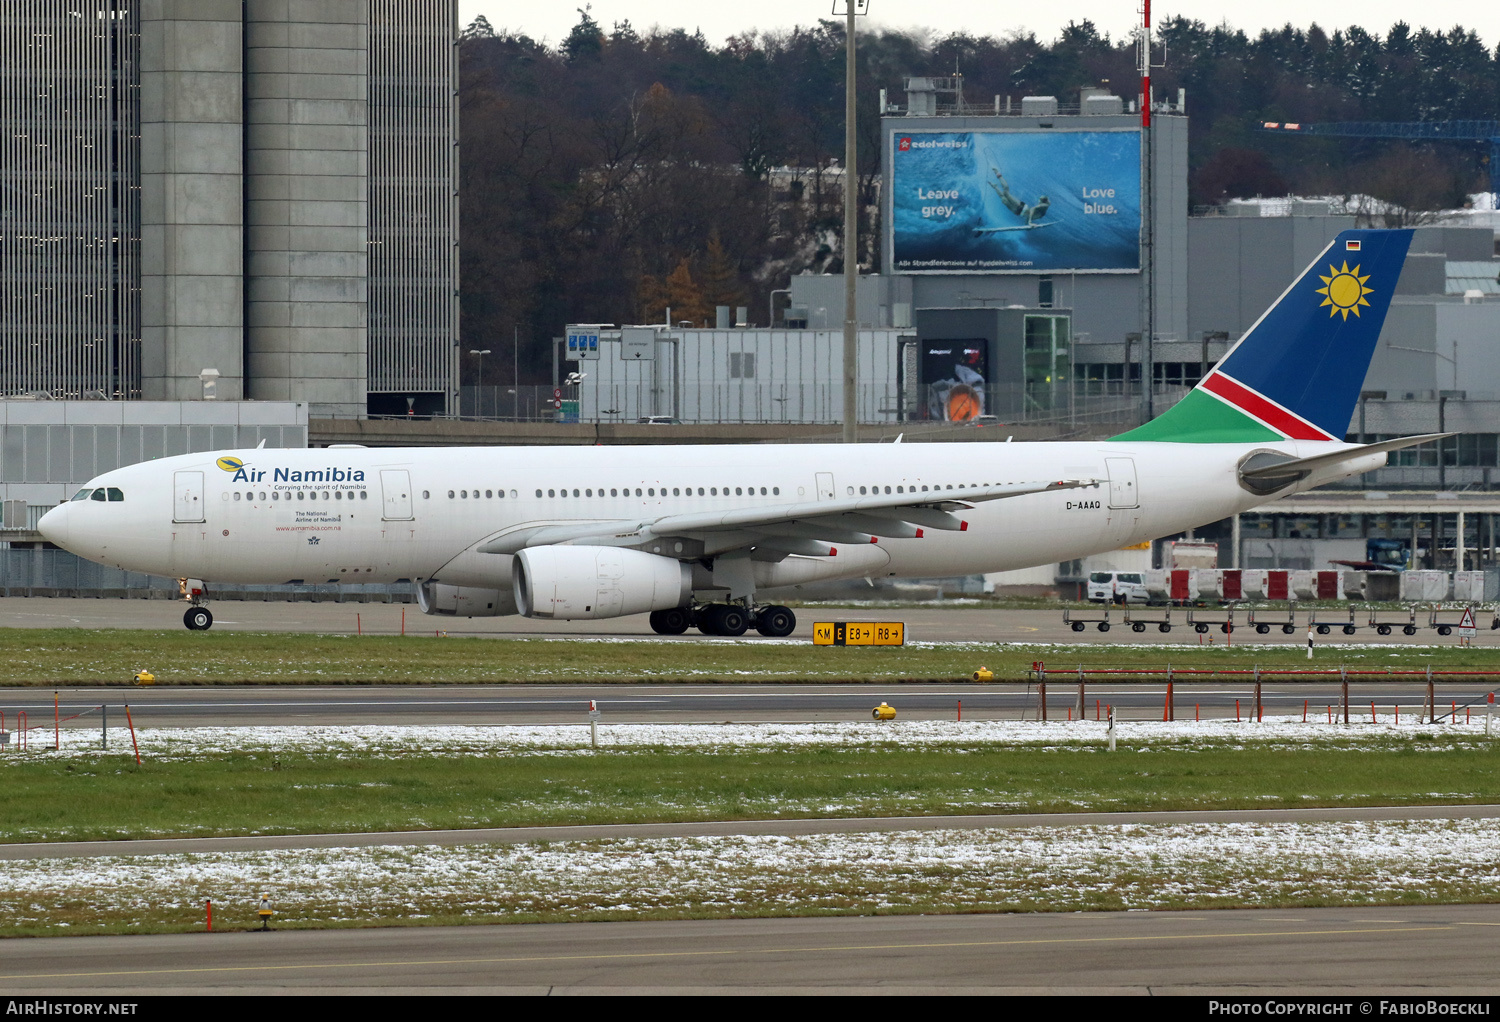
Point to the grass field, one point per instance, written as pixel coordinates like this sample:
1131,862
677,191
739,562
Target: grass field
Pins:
47,657
237,792
1035,869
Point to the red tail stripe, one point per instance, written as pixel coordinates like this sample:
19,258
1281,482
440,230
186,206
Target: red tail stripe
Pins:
1251,403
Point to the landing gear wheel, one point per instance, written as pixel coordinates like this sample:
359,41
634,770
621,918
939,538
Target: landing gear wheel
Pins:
733,620
1262,629
669,622
775,622
1137,627
198,619
1383,630
723,619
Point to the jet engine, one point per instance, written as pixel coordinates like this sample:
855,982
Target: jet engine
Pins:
568,583
464,601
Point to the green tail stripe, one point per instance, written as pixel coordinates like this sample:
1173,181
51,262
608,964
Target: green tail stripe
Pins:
1200,418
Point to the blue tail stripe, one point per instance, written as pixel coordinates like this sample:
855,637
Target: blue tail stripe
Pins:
1309,361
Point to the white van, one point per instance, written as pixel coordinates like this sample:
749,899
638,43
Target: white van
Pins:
1117,587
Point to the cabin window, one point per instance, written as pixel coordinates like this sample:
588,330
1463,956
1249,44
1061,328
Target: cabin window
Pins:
762,491
236,494
363,495
513,494
263,498
426,494
861,490
489,493
550,493
301,495
614,493
575,493
588,493
651,492
450,494
637,491
325,495
500,494
538,493
776,491
713,491
339,495
700,491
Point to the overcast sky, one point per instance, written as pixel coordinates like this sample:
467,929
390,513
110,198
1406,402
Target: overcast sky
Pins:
551,20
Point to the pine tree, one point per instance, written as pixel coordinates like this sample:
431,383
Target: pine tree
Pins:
721,279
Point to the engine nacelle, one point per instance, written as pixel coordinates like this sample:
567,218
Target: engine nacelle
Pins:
568,583
464,601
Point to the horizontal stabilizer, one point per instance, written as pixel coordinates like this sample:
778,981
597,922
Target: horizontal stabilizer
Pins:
1274,472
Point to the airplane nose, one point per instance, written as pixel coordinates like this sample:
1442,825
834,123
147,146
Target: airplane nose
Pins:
54,526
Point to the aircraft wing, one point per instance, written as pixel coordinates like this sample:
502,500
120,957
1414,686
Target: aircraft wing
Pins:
800,527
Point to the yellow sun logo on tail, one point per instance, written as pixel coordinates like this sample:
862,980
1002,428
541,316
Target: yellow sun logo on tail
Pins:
1343,289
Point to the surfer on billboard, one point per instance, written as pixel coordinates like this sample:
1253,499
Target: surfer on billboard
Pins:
1030,214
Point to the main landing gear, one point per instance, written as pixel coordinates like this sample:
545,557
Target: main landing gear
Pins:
727,619
198,619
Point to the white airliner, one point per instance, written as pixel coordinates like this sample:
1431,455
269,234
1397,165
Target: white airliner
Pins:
695,535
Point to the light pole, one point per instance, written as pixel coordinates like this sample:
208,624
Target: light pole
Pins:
479,389
851,223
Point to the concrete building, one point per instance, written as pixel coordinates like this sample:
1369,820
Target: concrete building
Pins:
194,190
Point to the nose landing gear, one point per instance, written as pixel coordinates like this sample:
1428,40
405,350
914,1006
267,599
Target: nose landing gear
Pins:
196,617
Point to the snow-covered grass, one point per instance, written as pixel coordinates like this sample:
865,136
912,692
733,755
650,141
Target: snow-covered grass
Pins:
1032,869
365,740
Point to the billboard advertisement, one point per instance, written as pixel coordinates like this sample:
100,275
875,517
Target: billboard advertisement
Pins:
955,374
1015,201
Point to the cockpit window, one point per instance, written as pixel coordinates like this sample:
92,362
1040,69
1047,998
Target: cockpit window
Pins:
115,493
99,494
84,493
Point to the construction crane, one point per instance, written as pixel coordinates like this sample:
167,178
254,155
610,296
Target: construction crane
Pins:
1439,131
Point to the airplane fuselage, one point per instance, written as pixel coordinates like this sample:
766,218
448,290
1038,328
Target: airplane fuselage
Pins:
384,515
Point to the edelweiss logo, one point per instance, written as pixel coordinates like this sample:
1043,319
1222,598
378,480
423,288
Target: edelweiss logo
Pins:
904,145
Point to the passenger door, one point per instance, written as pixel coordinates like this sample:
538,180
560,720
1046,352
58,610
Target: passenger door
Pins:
825,485
1122,489
188,503
395,490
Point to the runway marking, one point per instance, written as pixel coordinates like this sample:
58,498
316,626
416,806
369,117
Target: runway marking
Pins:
712,954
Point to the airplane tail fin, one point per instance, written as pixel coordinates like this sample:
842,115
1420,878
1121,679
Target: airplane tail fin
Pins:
1296,374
